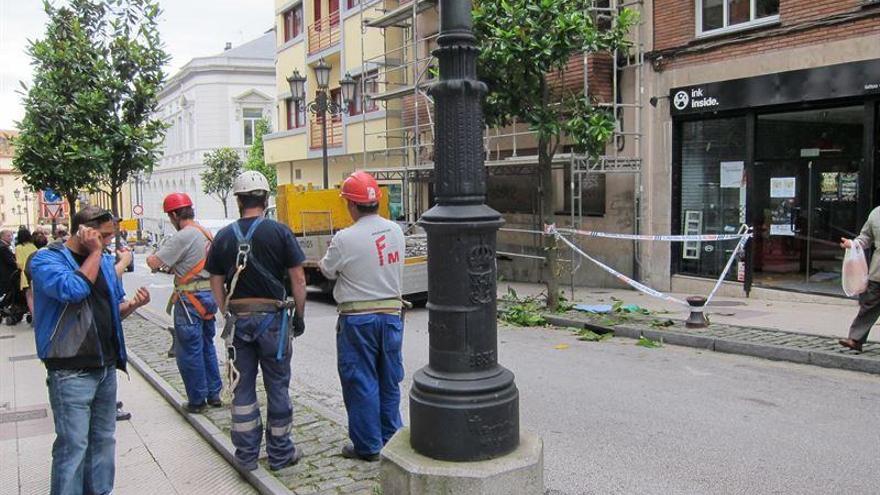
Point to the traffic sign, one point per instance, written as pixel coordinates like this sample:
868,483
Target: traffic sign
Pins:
137,211
50,196
54,209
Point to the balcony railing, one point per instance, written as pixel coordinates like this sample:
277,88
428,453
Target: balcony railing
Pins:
324,33
334,132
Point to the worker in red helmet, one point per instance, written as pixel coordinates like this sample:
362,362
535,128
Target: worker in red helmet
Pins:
192,303
366,260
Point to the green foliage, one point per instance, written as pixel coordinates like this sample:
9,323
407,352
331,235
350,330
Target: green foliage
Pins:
591,336
89,114
223,165
523,312
648,343
256,160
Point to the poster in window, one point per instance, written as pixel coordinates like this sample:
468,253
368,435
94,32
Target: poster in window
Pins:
829,187
732,174
783,187
780,216
849,186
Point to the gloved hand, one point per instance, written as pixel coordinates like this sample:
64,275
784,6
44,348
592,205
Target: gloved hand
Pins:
299,325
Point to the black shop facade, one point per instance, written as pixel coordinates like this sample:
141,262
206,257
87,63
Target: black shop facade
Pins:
791,154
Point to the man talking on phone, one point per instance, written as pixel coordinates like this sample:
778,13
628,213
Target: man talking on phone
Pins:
79,305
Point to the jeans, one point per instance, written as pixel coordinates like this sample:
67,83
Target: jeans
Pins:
84,407
256,344
370,365
195,352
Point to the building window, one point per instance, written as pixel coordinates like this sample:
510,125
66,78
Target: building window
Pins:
366,84
296,114
353,3
293,22
720,16
251,117
298,174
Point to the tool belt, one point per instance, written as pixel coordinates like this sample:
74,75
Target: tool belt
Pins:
188,291
389,306
256,305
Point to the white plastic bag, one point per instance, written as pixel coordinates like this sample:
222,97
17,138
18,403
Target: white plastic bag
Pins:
854,274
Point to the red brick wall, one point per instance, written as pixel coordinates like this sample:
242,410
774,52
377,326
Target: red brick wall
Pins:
572,78
674,28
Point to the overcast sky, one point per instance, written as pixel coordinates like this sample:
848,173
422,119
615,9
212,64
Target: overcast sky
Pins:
189,28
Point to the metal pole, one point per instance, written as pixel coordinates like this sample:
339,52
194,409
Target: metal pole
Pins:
322,111
464,406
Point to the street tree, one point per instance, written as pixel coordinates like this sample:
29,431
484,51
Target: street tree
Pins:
256,160
222,166
523,43
58,146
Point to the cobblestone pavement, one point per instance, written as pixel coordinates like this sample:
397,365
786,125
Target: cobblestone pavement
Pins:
321,471
753,341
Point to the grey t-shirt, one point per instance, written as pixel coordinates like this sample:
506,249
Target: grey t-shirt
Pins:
184,251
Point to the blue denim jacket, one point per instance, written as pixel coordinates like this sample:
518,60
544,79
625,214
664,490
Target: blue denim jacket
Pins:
56,281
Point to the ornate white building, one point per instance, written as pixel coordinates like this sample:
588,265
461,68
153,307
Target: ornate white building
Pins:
212,102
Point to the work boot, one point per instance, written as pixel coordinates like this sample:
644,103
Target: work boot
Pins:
215,402
851,344
349,453
297,455
196,409
120,414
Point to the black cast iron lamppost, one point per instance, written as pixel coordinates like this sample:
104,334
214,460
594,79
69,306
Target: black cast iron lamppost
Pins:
27,212
464,406
322,105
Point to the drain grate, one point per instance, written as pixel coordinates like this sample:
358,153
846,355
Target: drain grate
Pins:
7,336
18,416
25,357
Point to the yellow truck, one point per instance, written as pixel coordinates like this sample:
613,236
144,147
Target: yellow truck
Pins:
315,215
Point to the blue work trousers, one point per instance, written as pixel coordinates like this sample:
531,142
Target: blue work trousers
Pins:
84,409
256,344
194,349
370,364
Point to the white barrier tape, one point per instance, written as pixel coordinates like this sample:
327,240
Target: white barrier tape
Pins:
623,278
736,250
667,238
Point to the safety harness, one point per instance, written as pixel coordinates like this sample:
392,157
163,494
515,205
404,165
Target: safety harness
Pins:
269,308
185,286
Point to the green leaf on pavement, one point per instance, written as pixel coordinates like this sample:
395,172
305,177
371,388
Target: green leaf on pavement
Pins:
646,342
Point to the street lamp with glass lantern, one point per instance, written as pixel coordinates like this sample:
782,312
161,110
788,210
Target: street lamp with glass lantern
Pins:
322,105
24,198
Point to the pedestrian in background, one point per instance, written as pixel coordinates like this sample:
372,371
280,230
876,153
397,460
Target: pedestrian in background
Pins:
76,286
40,241
248,263
869,301
366,260
192,304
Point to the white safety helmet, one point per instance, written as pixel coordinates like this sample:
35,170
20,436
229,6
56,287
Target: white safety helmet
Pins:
249,182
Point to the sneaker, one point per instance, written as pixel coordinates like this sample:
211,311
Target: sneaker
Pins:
122,415
119,404
197,409
297,455
349,453
215,402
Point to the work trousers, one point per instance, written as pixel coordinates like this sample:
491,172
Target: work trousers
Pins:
194,349
370,365
869,311
84,409
256,344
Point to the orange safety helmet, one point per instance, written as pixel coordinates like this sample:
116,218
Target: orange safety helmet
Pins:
361,188
176,201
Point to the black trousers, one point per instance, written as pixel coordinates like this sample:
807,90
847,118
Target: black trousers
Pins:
869,311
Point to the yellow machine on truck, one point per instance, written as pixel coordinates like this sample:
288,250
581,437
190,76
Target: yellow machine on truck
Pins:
315,215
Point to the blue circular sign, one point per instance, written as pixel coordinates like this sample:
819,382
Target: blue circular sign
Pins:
51,196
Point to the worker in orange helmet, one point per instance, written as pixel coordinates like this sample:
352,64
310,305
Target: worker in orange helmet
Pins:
192,303
366,260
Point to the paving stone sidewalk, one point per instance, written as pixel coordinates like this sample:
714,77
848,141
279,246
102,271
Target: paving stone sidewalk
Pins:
751,341
321,471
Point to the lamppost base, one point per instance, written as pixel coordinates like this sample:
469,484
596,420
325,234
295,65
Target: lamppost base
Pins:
406,472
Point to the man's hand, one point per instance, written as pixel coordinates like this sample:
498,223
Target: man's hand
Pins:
90,239
142,298
125,256
846,243
299,325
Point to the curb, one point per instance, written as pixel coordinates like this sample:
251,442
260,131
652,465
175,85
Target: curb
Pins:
259,478
730,346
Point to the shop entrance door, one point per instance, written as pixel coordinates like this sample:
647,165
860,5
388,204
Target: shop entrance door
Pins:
806,201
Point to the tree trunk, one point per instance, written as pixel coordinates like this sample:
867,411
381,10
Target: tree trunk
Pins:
71,204
225,206
114,208
548,209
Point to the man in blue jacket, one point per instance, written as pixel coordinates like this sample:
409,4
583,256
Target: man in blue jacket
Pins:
78,310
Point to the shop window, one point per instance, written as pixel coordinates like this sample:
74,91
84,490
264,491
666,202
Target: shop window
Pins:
293,22
721,16
712,191
296,114
250,116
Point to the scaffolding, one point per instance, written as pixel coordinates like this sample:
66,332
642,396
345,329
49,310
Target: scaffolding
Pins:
403,72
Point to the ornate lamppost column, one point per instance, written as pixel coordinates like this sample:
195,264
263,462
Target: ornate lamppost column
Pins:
464,406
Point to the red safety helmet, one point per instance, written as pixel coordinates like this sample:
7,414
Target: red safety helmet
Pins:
176,201
361,188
